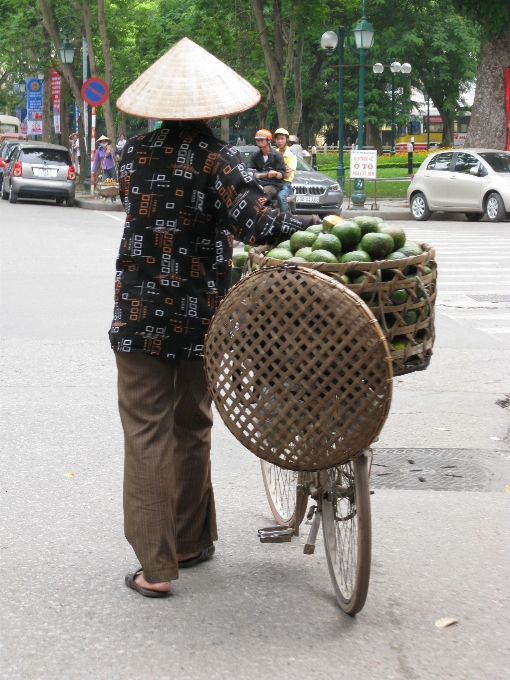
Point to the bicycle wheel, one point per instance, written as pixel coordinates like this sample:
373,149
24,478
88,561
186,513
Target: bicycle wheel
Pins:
288,507
347,529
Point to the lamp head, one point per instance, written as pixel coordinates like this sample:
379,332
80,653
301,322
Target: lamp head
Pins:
329,41
395,67
40,75
22,87
67,51
364,34
378,68
406,68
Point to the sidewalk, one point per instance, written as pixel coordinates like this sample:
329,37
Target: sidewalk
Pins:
389,209
96,203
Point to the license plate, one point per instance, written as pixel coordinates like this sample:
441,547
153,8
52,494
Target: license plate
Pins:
307,199
45,172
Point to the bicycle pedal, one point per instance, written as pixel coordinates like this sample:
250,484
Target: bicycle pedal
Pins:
278,534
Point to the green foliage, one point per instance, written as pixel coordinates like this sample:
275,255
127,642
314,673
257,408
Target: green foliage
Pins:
492,15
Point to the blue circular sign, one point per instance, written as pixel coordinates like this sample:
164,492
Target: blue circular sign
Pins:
94,91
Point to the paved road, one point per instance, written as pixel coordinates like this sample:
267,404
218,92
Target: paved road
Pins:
256,610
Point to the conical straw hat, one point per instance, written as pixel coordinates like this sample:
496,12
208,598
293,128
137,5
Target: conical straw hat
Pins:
188,83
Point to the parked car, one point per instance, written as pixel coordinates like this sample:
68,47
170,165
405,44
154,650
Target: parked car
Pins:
7,146
39,170
314,192
472,181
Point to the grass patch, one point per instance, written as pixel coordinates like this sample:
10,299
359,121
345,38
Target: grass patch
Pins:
384,190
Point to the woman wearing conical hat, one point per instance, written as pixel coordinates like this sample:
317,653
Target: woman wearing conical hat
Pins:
187,196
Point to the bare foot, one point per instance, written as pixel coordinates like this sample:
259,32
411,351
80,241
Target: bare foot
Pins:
181,557
163,587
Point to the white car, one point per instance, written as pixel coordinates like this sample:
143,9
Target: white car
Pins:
473,181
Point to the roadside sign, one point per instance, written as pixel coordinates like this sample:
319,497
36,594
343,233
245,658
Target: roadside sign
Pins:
94,91
363,164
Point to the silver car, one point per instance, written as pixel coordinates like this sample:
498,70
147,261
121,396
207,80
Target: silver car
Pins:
473,181
38,170
313,191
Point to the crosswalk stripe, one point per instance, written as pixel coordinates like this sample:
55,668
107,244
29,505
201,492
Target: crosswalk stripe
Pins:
494,330
477,317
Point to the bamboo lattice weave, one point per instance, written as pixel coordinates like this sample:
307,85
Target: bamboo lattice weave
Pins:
298,368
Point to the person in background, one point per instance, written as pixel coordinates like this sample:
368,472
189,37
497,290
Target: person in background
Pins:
106,157
76,151
281,138
120,145
295,145
241,141
268,163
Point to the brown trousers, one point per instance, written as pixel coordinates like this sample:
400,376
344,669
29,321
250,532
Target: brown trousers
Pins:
166,415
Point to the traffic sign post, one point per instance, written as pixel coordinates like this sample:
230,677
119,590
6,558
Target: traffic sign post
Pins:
95,91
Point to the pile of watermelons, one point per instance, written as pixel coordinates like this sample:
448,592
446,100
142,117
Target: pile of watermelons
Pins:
362,239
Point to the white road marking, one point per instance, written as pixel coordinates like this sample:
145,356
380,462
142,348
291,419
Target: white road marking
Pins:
114,217
494,330
489,317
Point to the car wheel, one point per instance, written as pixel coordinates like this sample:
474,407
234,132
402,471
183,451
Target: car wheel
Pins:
70,201
59,201
13,197
474,217
495,208
5,194
419,207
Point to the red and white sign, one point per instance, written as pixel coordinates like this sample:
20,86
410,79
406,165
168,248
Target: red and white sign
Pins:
95,91
459,138
34,127
55,98
363,164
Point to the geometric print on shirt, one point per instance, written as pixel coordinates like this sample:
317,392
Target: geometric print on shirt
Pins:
187,196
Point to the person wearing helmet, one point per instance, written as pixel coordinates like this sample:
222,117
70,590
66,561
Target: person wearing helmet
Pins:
281,137
295,145
268,163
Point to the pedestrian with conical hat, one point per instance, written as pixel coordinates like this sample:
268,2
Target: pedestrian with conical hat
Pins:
104,157
187,196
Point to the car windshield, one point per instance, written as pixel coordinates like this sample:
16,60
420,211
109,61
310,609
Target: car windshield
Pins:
302,165
45,156
499,161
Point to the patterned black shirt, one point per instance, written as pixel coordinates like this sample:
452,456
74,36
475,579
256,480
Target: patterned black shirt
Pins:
187,195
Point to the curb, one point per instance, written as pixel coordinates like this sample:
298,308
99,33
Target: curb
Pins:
96,204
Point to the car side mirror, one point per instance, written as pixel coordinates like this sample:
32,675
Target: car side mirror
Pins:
475,171
315,168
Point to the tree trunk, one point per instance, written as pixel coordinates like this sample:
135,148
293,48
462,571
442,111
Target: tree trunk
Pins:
107,107
298,89
71,79
488,126
447,125
374,137
123,126
274,69
46,111
264,109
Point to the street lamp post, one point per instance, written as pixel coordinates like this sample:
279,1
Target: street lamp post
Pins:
395,67
364,36
329,42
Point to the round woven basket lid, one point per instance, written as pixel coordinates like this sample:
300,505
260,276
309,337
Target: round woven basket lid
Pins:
298,368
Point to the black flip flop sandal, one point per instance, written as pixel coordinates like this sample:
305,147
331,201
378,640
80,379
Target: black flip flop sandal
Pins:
130,582
204,555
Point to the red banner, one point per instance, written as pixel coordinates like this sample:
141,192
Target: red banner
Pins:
507,101
55,98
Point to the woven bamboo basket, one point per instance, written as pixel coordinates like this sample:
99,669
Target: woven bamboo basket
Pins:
299,368
108,190
382,278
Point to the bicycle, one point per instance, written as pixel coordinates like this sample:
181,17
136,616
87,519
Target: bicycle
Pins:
301,374
342,496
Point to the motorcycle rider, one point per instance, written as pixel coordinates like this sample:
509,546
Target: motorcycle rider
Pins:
269,164
281,137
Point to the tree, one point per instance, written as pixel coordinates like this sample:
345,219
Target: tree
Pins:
488,127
